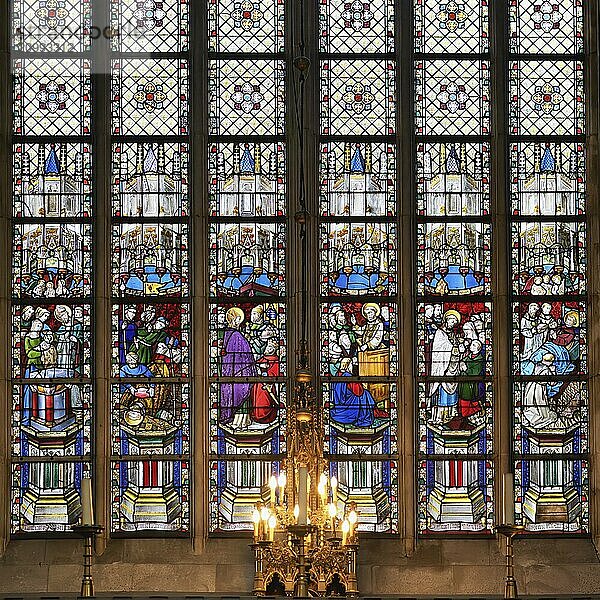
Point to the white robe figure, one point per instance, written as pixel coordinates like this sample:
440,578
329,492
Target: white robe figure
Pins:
533,337
537,413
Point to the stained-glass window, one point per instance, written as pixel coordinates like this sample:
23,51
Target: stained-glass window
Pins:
548,266
247,342
150,261
453,268
52,287
358,245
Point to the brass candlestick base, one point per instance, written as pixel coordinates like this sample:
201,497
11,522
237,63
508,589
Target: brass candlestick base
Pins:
510,583
87,532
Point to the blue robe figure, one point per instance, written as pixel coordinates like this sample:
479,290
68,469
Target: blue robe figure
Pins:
352,404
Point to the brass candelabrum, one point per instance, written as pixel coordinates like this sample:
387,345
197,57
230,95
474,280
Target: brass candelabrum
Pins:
88,533
510,583
305,536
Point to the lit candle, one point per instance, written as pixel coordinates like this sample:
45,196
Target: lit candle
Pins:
302,495
273,486
334,486
282,482
345,530
322,490
332,512
508,498
296,512
264,520
272,525
352,518
87,507
256,521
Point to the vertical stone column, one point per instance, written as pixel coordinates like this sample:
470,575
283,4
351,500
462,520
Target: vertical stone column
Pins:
405,177
5,271
199,425
101,357
501,331
592,94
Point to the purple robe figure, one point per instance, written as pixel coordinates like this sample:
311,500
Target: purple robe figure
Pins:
237,361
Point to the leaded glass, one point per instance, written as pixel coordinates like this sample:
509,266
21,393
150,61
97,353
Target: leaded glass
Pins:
356,26
51,96
149,96
450,26
548,179
357,179
452,97
359,339
551,495
247,180
546,97
453,180
150,340
150,25
245,25
150,494
150,179
358,97
358,258
52,180
51,25
51,260
247,340
549,338
246,97
547,27
247,259
453,258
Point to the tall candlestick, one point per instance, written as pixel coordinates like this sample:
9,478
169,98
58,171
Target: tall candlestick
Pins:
334,486
273,486
508,499
302,495
87,507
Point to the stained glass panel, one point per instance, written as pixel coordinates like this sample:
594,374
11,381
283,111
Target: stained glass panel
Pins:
357,179
359,339
552,495
46,495
52,180
51,96
356,27
546,27
358,258
246,26
150,494
548,179
549,338
453,180
246,97
247,340
150,179
150,25
450,26
150,340
247,180
51,260
546,97
149,96
452,97
358,97
51,25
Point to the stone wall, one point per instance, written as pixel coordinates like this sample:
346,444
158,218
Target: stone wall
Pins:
438,567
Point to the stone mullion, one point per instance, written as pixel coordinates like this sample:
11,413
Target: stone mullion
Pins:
198,198
502,317
405,181
101,211
5,272
591,65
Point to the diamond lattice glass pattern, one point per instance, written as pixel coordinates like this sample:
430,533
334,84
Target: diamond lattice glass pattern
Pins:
51,25
452,97
449,26
546,27
245,25
150,25
246,97
51,96
546,98
149,97
356,26
358,97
